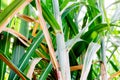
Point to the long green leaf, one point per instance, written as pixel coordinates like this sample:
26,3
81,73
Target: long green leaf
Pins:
11,10
70,43
50,18
64,4
104,13
18,52
72,24
92,49
25,59
5,59
24,26
45,73
71,7
114,66
5,45
18,48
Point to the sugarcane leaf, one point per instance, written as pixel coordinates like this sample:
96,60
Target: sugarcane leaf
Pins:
32,67
70,7
92,49
5,59
7,14
25,59
4,45
50,18
45,73
71,43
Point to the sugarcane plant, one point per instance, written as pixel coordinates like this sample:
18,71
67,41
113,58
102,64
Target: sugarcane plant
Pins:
59,40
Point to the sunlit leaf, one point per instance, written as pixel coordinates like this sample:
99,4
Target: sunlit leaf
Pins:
92,49
7,14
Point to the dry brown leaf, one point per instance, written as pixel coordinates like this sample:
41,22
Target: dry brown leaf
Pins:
40,54
23,39
12,67
32,67
18,35
74,68
114,75
47,36
35,29
26,18
44,48
79,67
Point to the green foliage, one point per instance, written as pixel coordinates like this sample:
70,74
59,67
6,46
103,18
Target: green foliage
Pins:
91,38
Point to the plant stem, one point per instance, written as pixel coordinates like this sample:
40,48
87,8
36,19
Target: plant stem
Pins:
103,59
61,47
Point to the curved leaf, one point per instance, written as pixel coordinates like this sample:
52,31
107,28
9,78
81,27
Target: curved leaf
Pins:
92,49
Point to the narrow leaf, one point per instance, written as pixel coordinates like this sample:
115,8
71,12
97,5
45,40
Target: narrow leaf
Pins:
7,14
26,18
17,54
45,73
114,75
92,49
70,7
32,67
10,64
25,59
50,18
70,43
78,67
4,45
47,35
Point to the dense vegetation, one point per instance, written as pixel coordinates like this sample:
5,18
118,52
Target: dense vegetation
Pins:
59,40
